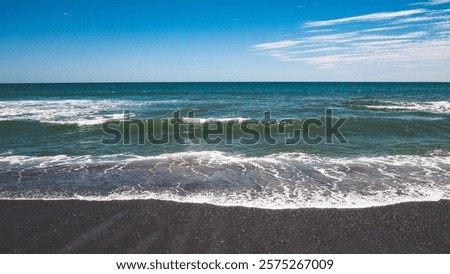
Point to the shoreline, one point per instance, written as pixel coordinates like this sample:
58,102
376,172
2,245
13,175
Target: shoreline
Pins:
155,226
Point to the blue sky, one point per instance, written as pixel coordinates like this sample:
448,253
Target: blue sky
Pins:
215,40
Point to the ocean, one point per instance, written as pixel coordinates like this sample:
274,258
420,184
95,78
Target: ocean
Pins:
392,144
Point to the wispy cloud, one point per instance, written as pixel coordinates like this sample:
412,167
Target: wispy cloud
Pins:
276,45
318,30
422,19
411,38
431,3
438,2
362,18
383,29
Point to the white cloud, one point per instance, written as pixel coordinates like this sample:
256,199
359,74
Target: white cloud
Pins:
381,43
417,54
442,25
333,37
328,49
431,3
318,30
383,29
391,53
403,39
422,19
276,45
367,17
438,2
356,36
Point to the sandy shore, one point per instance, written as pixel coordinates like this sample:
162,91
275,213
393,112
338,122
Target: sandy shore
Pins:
149,226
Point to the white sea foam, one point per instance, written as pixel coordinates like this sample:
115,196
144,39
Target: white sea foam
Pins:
214,120
285,180
80,112
247,199
433,107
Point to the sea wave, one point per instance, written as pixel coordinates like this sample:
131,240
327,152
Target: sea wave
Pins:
214,120
284,180
433,107
79,112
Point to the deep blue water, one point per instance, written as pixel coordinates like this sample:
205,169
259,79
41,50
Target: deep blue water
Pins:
397,143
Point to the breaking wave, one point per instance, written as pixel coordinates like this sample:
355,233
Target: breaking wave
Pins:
284,180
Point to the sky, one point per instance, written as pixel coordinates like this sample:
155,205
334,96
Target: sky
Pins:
224,40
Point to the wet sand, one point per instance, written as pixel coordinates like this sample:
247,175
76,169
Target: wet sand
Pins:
151,226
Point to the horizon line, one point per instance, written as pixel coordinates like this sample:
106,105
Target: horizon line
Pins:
193,82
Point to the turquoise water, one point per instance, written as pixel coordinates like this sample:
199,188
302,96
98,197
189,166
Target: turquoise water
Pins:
397,143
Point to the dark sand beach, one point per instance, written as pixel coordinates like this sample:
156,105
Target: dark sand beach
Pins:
150,226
